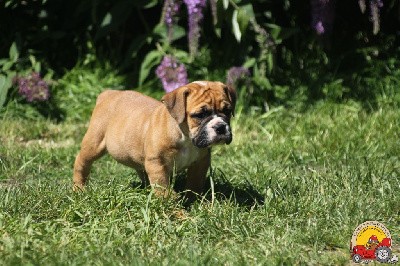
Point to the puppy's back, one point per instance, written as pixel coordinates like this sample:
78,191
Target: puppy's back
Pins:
130,96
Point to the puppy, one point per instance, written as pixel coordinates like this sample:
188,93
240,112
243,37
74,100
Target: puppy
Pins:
155,137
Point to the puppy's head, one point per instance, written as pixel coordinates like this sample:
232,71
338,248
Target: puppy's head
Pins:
205,109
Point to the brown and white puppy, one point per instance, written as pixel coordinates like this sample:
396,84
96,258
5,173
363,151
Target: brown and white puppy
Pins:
155,137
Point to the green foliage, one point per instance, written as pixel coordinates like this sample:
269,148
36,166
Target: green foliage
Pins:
289,64
5,85
290,189
7,73
13,67
76,92
152,59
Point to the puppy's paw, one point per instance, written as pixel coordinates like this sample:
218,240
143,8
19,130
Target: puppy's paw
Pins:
78,187
165,193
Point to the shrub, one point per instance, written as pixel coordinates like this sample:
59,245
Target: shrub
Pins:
295,52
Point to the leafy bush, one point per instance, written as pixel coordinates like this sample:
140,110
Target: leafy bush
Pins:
76,92
21,83
296,52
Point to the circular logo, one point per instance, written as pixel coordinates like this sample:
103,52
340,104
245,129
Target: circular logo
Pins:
371,241
365,230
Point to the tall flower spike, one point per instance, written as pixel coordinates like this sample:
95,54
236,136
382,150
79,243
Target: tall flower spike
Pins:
323,15
213,5
362,6
195,12
235,74
171,8
171,73
33,88
375,6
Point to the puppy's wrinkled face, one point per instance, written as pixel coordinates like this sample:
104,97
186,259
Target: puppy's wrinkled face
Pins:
209,108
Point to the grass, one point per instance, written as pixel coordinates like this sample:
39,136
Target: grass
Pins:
290,189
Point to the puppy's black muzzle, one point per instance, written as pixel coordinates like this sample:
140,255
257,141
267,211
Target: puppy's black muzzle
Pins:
222,131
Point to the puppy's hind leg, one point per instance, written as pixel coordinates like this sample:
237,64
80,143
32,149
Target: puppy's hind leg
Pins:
92,148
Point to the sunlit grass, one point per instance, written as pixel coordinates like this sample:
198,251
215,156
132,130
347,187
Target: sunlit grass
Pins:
289,190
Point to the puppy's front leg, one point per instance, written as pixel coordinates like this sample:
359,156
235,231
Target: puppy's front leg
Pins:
158,175
196,176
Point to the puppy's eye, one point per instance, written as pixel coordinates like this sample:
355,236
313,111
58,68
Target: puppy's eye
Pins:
227,111
201,114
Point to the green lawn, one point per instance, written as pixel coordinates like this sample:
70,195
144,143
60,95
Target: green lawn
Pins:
290,189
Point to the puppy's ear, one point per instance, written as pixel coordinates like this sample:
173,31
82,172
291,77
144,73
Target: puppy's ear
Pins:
231,92
175,101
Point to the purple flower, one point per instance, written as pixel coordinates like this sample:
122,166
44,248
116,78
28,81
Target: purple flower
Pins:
171,73
319,28
323,15
171,8
195,13
375,6
33,88
235,74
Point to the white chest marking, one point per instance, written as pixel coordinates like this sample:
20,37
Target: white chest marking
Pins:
187,154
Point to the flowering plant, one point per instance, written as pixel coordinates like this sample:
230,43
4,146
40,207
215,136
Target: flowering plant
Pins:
33,88
171,73
323,14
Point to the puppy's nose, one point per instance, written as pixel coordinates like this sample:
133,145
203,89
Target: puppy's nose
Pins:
220,129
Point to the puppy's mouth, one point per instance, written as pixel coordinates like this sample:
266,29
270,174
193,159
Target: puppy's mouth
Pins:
203,141
213,132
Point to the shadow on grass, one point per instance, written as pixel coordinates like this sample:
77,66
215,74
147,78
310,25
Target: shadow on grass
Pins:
244,195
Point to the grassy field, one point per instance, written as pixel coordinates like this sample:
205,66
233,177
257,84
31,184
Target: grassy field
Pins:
290,189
